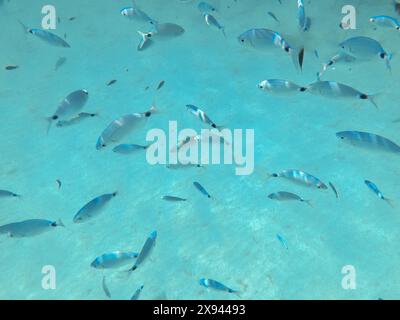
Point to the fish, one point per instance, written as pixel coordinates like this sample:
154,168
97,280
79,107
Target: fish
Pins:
6,194
280,87
368,140
81,116
113,260
181,166
215,285
211,21
264,40
301,177
374,188
160,85
121,127
205,7
341,56
273,16
128,148
199,187
173,198
334,189
93,208
385,21
135,13
167,31
336,90
282,241
11,67
29,228
287,196
146,250
365,48
70,106
59,63
200,114
137,293
110,83
105,288
49,38
303,21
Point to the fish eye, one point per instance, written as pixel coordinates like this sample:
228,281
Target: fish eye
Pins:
342,138
363,96
242,40
382,55
342,47
54,117
287,49
103,145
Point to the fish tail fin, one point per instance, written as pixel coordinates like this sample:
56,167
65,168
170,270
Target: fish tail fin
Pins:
223,31
298,58
59,223
372,99
389,201
26,29
309,202
388,58
50,122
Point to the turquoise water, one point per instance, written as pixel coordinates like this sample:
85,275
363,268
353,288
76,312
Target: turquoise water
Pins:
231,237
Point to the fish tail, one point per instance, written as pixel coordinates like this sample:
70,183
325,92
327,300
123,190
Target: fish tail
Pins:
26,29
50,122
389,201
308,202
371,98
298,58
59,223
223,31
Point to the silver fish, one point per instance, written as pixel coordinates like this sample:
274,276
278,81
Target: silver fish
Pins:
386,21
211,21
135,13
215,285
273,16
6,194
301,177
341,56
287,196
49,38
199,187
29,228
113,260
121,127
173,198
374,188
146,250
368,140
128,148
264,40
137,293
93,208
282,241
365,48
70,106
205,7
336,90
182,166
167,30
303,20
81,116
201,115
280,87
59,63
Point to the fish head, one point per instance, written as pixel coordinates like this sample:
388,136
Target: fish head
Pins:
96,264
263,85
321,185
100,143
126,12
245,39
203,282
343,135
